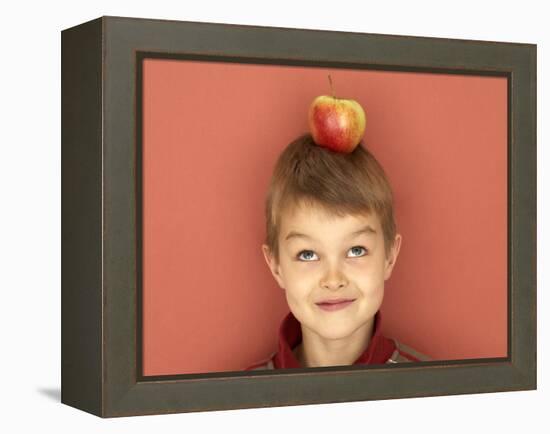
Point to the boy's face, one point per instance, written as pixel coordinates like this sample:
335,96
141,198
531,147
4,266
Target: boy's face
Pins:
333,258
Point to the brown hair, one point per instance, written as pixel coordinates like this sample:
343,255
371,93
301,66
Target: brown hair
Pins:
340,183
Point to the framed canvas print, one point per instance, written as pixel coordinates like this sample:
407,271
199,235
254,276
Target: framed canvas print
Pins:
191,281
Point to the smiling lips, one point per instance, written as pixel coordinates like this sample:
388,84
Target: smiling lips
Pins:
337,304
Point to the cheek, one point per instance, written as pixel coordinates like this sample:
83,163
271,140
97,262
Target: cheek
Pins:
297,301
299,284
370,277
299,273
298,288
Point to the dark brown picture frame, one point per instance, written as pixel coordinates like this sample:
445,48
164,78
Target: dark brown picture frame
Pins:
101,305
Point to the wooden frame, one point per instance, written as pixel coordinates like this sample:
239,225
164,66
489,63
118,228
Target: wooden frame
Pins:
101,371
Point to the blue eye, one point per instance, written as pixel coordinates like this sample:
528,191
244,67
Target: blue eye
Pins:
355,248
305,251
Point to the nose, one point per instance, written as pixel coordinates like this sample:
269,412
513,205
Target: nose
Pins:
334,279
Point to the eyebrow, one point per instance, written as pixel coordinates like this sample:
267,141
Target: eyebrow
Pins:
364,230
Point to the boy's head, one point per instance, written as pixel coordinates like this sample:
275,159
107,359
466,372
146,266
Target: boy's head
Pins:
342,204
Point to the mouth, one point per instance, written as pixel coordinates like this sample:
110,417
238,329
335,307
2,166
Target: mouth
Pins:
336,304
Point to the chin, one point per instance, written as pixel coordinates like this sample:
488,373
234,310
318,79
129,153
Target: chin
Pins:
336,331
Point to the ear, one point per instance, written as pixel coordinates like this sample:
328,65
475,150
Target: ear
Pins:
390,262
273,265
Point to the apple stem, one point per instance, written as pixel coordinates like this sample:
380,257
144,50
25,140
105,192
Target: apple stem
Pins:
331,87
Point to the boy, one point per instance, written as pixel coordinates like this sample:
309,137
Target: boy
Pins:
331,244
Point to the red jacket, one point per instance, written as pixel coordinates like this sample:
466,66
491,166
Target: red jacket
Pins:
379,351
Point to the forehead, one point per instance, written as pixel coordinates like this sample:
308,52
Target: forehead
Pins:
318,224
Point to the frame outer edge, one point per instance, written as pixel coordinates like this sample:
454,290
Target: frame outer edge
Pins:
524,218
123,396
81,215
532,271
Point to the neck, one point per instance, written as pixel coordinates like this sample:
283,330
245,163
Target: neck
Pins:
316,351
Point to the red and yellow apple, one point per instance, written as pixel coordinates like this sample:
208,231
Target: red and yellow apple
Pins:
336,123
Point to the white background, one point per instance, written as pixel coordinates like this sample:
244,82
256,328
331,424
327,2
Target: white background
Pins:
30,167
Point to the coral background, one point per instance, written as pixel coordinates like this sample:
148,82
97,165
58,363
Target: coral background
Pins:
212,132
